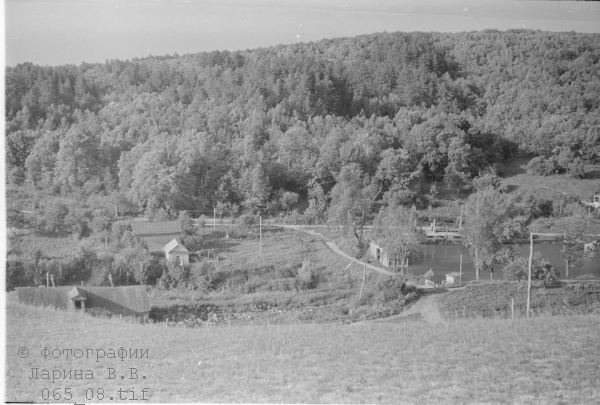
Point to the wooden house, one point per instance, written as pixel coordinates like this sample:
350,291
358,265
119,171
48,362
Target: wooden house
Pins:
378,253
157,235
176,253
126,300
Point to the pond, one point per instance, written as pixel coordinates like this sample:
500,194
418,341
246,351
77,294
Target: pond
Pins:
446,258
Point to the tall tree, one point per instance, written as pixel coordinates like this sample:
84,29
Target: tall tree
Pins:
352,200
397,232
491,218
573,228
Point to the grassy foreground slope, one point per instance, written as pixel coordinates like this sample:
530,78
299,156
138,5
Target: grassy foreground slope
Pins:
545,360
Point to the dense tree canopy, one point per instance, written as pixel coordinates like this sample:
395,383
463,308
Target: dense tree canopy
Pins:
397,111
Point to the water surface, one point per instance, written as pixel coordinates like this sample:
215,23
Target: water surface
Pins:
446,258
72,31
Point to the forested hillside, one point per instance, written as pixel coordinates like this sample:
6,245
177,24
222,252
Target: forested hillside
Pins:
386,115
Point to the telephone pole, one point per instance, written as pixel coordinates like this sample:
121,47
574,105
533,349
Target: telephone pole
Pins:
529,272
260,235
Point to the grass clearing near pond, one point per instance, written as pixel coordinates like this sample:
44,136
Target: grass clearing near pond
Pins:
545,360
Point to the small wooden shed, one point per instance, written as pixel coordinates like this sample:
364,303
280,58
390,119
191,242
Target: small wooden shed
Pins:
453,278
176,253
77,299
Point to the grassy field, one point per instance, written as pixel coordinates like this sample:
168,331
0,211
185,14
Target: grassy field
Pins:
516,178
264,288
544,360
494,300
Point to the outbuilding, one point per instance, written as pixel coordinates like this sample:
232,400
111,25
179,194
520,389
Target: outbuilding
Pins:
156,234
453,278
125,300
176,253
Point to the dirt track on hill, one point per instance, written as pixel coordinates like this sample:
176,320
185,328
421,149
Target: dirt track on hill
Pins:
427,308
335,249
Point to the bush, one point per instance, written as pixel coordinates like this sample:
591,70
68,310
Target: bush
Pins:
200,276
137,262
541,269
50,220
577,169
542,166
192,242
306,278
393,289
15,275
487,180
280,284
187,224
174,276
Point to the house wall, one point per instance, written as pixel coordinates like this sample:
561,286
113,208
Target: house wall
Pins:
377,253
173,258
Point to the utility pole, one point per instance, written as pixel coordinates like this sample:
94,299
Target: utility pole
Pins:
260,235
529,272
214,219
460,268
363,279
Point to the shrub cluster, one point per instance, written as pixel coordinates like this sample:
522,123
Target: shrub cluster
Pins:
544,166
541,269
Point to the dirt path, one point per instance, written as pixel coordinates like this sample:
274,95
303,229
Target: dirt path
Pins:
335,249
427,307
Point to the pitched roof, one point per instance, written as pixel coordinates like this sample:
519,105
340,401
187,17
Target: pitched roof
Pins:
453,274
77,294
156,244
169,247
124,299
155,228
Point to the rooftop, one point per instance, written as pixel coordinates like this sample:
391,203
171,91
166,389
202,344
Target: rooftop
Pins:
155,228
169,247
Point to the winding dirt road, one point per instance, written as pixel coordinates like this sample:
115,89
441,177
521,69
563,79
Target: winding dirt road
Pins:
335,249
426,307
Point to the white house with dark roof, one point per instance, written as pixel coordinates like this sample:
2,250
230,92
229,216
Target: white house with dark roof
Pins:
176,253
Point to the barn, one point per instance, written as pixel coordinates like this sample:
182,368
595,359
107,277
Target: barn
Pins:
156,235
126,300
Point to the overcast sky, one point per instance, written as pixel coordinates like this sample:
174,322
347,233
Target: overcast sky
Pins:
73,31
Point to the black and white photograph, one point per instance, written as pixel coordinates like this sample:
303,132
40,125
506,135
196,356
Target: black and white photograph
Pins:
301,201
